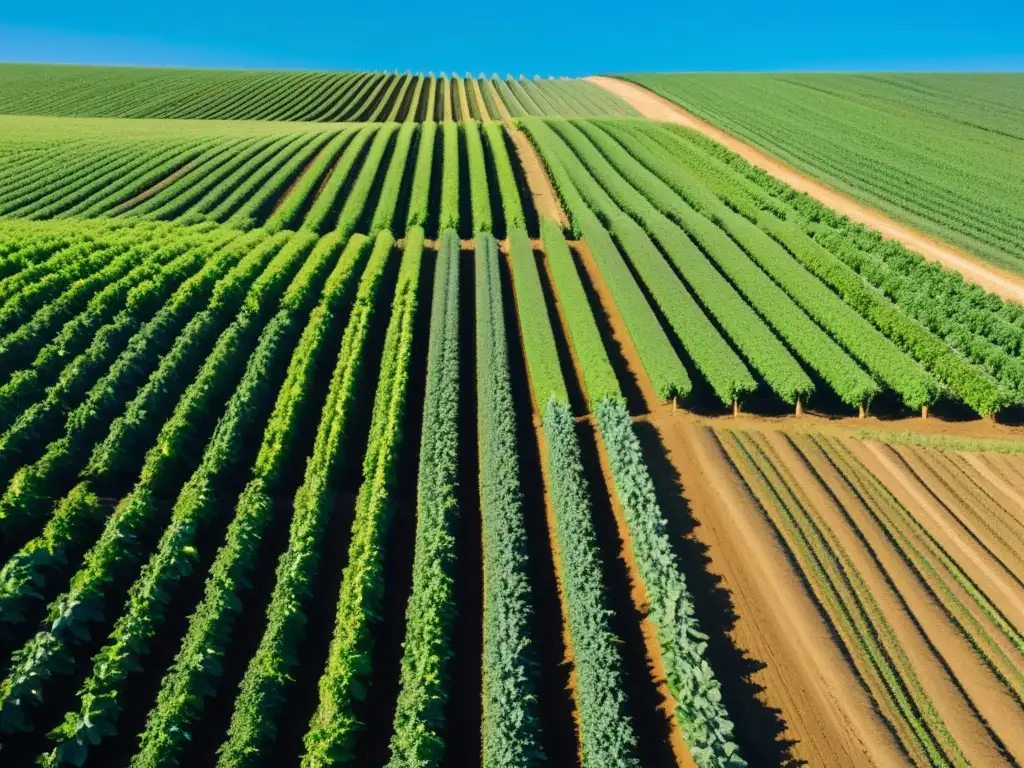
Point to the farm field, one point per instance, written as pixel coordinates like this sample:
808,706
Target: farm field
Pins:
419,434
939,152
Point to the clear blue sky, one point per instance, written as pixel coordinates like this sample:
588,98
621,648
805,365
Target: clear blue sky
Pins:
550,38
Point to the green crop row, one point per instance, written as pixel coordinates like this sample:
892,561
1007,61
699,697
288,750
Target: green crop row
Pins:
702,717
965,381
358,195
195,675
262,692
659,359
335,725
430,613
419,195
387,204
511,729
707,256
479,188
668,185
606,732
328,196
599,379
725,372
290,208
115,555
449,216
511,203
545,371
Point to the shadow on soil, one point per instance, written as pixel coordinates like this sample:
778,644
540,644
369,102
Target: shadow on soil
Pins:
759,727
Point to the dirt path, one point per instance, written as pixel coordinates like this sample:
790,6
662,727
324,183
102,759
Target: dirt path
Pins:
544,198
825,707
992,279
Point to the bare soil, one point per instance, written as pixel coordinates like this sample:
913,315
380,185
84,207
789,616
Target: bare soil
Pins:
544,197
828,715
1000,586
999,717
992,279
929,667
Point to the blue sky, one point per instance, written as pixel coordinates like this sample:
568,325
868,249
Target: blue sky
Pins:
529,37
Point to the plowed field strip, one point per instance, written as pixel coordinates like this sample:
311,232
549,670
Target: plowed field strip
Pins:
843,726
983,570
832,502
973,515
979,622
849,605
921,592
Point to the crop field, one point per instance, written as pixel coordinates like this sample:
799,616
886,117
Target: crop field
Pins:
343,422
945,153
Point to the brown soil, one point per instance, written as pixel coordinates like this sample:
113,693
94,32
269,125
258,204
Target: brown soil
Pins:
982,689
998,479
544,197
929,667
991,578
976,512
827,712
992,279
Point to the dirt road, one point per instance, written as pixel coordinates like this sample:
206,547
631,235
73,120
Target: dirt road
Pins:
652,106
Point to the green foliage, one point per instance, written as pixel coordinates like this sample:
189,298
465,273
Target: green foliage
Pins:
659,359
449,217
196,672
430,613
114,556
707,256
666,183
328,197
936,151
479,190
511,203
599,379
355,201
833,258
335,725
387,203
606,733
289,209
511,730
419,195
263,689
711,354
704,722
542,362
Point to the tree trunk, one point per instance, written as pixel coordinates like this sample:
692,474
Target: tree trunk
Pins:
799,408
